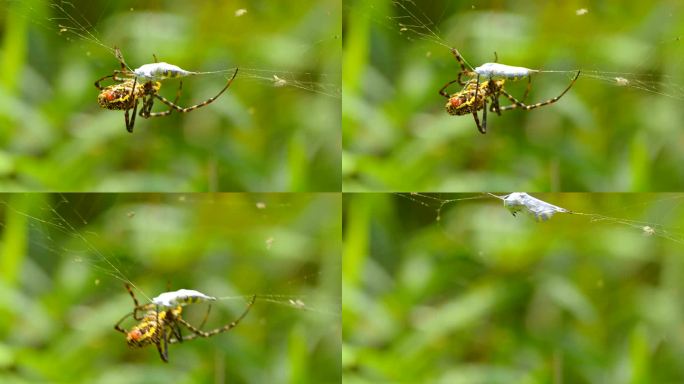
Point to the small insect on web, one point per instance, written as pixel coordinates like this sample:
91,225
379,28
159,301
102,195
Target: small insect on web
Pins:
161,323
125,94
474,95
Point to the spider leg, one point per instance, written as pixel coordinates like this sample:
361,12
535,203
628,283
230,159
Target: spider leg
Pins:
135,300
206,316
442,91
464,69
148,111
148,103
519,104
178,92
124,68
130,292
496,57
97,83
527,89
477,122
128,118
117,326
459,58
119,56
163,350
162,340
161,353
199,333
494,107
121,76
175,329
484,117
477,87
188,109
131,123
460,81
483,128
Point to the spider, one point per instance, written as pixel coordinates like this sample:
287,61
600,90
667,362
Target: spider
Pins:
124,95
163,327
474,95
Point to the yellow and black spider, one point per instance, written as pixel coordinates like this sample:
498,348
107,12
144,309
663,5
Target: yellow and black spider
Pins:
475,93
161,326
124,95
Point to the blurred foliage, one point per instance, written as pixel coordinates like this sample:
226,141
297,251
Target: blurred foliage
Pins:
598,137
61,294
255,137
480,296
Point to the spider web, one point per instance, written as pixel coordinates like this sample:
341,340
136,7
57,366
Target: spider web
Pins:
413,23
67,21
447,277
79,249
83,229
655,213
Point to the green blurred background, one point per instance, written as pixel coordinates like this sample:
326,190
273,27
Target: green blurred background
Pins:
255,137
60,298
481,296
598,137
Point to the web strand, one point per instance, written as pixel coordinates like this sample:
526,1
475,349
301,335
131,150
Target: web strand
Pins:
414,24
647,228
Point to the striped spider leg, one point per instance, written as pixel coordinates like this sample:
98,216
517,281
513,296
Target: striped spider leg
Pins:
197,332
180,109
526,107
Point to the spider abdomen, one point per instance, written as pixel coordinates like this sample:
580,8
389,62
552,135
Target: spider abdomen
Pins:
151,327
145,332
120,97
466,101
